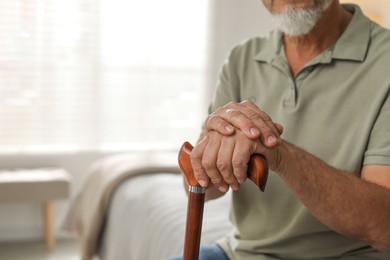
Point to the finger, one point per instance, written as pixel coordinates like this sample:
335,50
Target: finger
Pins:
224,162
196,161
269,131
255,113
242,152
280,128
240,120
209,162
217,123
225,119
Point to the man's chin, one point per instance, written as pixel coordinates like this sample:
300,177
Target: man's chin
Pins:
295,28
294,33
299,21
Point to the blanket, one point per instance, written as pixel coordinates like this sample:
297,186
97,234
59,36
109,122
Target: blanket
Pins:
88,210
145,225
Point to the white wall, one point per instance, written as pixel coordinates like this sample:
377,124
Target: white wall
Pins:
378,10
231,22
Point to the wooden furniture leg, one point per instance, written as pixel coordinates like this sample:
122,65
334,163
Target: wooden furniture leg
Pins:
48,223
43,185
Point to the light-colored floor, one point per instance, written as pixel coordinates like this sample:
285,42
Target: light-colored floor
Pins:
66,249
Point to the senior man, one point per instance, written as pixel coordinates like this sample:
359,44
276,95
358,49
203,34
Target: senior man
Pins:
323,75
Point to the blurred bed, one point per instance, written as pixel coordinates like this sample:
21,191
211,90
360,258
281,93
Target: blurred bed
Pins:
134,207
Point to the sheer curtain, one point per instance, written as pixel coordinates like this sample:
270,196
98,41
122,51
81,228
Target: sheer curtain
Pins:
114,75
107,75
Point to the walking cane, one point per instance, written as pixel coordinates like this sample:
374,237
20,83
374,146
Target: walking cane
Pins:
257,172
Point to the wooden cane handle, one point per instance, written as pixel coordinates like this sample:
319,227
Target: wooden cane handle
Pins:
257,167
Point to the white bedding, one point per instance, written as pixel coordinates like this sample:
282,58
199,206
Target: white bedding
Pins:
146,219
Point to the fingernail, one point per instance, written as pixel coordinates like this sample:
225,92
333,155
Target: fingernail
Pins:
229,128
222,189
241,181
271,140
202,183
235,187
254,131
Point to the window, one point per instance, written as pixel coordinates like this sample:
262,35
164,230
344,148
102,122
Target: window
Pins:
101,75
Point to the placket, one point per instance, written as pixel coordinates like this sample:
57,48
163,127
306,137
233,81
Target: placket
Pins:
290,97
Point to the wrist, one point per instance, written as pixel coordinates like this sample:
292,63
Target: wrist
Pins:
278,157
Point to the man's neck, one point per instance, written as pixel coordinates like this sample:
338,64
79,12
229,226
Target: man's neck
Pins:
302,49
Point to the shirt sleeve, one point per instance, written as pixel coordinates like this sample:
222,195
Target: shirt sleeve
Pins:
227,88
378,149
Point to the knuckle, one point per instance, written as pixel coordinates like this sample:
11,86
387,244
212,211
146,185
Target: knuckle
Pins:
213,120
217,110
240,175
220,124
238,164
199,172
209,118
250,104
247,103
208,164
265,130
251,114
216,180
223,166
232,113
230,104
229,179
265,116
195,155
212,135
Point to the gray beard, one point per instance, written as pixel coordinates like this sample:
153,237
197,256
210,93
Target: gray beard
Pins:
298,21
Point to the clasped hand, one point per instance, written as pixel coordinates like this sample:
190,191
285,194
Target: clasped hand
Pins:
232,134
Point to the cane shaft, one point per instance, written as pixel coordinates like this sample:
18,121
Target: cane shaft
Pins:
193,226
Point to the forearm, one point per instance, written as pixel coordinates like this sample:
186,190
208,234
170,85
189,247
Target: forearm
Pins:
342,201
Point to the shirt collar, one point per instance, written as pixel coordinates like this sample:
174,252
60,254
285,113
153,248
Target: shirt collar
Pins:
271,47
352,44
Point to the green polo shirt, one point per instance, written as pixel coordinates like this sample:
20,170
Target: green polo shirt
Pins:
337,108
